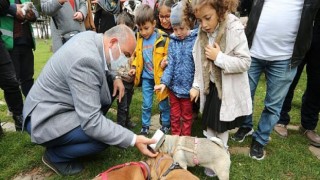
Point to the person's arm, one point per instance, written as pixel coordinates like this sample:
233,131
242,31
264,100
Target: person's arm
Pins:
84,81
168,72
51,7
240,60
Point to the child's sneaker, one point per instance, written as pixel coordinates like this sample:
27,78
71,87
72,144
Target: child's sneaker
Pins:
165,129
144,131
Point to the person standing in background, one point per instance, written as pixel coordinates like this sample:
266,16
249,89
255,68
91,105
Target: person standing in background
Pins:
8,80
67,18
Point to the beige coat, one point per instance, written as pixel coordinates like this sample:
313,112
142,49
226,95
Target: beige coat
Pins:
236,98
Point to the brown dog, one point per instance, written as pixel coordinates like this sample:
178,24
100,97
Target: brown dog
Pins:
133,171
162,167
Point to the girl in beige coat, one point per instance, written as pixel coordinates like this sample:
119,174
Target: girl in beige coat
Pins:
222,59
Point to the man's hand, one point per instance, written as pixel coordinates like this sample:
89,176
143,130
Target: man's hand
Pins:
132,72
30,16
159,87
194,94
19,13
118,87
212,51
78,16
141,144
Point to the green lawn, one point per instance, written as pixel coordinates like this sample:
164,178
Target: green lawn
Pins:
285,159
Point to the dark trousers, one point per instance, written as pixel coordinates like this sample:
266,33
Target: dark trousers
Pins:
311,98
9,83
70,146
23,60
124,105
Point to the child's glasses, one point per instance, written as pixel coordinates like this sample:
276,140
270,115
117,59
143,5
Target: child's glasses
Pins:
164,17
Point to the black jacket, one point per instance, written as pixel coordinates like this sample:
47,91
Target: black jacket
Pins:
4,6
303,39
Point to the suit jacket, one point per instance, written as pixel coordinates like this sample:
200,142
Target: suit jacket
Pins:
70,92
63,16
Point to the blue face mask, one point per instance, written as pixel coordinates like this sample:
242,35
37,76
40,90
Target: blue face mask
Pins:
120,65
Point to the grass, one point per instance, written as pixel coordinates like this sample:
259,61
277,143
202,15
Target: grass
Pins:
285,159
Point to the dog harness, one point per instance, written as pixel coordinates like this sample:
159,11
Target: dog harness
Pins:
143,166
190,145
173,166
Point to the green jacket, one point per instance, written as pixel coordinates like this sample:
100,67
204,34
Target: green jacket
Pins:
6,27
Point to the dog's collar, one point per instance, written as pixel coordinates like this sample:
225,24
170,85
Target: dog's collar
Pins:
144,167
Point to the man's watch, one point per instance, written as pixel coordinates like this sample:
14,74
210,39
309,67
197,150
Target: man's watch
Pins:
117,77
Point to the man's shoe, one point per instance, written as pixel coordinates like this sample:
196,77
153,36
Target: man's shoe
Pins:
281,129
18,119
256,150
242,133
63,168
165,129
313,137
144,131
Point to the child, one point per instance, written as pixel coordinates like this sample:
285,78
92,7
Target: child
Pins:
222,59
123,117
178,76
162,11
152,47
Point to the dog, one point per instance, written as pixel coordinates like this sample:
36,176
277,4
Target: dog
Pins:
163,167
132,170
192,151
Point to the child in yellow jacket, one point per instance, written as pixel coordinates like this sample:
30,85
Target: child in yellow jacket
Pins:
148,66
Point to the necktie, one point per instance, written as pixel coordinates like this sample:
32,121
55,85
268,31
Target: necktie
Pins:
72,3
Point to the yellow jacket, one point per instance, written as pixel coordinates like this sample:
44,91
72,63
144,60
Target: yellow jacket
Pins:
160,51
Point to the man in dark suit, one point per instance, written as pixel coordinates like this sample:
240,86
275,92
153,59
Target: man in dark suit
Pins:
63,109
8,80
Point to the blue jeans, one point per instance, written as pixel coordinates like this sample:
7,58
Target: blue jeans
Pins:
147,93
70,146
279,76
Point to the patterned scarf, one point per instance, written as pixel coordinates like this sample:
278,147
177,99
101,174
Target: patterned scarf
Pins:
208,66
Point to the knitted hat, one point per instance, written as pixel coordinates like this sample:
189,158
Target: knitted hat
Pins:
176,14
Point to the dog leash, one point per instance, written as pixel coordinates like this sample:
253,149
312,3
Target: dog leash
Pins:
174,165
143,166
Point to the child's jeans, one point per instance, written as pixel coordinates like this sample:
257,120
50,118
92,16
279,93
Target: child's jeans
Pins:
147,93
181,110
124,105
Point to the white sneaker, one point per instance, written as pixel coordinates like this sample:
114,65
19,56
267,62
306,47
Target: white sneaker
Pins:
209,172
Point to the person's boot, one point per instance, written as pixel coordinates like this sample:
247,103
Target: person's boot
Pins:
18,119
